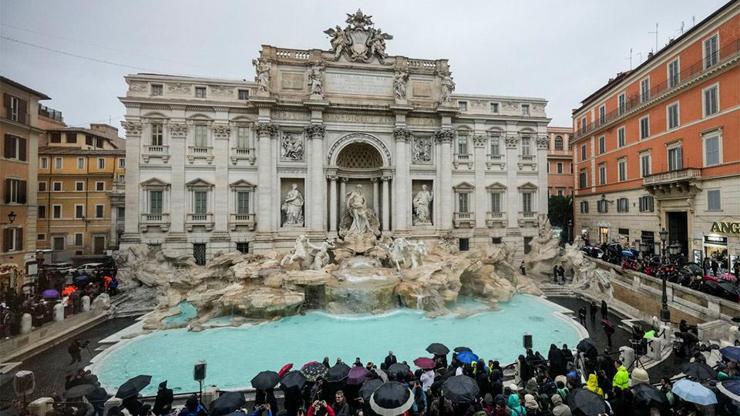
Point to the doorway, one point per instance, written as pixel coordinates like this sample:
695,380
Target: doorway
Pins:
99,244
678,230
199,253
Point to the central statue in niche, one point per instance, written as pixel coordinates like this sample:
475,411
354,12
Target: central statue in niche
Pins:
358,220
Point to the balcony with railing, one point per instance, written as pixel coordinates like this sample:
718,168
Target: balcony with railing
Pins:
495,162
463,220
242,220
199,220
155,151
243,153
727,54
673,182
200,152
161,220
495,219
51,113
462,159
527,219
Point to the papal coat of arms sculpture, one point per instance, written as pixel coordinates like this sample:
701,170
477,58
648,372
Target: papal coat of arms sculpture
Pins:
359,41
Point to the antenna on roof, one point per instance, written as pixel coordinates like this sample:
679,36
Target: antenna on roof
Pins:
682,27
656,37
630,59
693,21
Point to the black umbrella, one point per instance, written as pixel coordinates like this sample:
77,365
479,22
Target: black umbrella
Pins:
698,371
293,380
391,399
645,395
461,349
338,372
588,347
265,380
398,371
227,402
313,370
438,349
133,386
588,402
369,387
79,391
460,389
98,395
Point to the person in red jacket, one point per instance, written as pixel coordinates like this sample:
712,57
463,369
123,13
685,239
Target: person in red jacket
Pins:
320,408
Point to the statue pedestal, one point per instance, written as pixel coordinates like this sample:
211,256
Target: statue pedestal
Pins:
357,243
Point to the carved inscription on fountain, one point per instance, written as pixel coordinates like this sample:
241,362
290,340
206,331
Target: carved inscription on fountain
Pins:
358,84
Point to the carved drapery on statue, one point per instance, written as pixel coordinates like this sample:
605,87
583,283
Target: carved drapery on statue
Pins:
293,207
358,219
421,202
359,41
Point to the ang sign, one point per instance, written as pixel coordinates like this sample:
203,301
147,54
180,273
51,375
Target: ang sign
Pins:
726,227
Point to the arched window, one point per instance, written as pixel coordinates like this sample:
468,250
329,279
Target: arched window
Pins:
558,142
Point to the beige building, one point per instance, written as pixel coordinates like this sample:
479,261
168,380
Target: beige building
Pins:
80,190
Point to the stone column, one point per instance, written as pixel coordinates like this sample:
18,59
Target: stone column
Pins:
178,132
113,220
386,204
333,204
133,147
221,135
480,195
444,137
315,135
265,131
342,196
401,180
376,195
542,197
512,169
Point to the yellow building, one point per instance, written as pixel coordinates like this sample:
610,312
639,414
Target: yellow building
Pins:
18,157
80,191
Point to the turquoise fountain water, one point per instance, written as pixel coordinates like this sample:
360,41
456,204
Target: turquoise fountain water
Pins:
235,355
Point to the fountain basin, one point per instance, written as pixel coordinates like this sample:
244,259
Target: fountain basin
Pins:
235,354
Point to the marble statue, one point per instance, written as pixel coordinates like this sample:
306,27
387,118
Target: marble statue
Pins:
315,81
308,255
410,254
291,147
359,40
262,68
422,151
293,207
400,81
358,218
321,254
421,206
448,86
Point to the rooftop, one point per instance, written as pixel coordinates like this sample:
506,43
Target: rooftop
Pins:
20,86
52,150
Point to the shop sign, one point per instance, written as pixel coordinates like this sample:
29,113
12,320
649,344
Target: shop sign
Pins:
726,227
714,239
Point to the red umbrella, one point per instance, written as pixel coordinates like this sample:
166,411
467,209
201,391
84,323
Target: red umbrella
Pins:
424,363
284,369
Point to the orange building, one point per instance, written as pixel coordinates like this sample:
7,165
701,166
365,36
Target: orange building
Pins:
20,131
559,161
659,146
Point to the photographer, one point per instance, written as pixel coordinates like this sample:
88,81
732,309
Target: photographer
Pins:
320,408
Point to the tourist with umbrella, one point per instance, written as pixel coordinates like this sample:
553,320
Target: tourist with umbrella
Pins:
266,399
698,371
163,401
694,393
460,389
129,391
292,384
357,375
398,372
313,370
391,399
586,402
227,402
440,352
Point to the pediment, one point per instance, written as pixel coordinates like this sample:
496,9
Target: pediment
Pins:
154,183
496,186
242,184
464,187
529,186
199,183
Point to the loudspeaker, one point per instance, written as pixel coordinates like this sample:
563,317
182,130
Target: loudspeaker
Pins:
24,383
527,341
199,371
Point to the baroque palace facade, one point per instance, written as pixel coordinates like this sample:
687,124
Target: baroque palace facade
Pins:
217,165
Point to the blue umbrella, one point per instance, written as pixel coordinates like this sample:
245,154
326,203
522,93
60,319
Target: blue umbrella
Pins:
467,357
628,253
733,353
50,294
693,392
730,388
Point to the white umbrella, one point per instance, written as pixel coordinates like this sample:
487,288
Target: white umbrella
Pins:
694,392
391,399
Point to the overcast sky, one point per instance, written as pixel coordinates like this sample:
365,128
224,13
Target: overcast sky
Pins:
558,50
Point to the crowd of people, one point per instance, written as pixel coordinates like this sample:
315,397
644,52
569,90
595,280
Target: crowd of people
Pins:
51,287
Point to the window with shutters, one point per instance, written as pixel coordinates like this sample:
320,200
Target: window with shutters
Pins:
80,163
602,144
602,174
644,90
99,211
100,186
711,51
712,148
242,202
101,163
602,206
582,179
647,203
89,140
200,202
155,202
496,202
243,94
583,152
673,73
56,186
57,163
602,114
200,135
673,116
79,186
558,142
44,163
43,186
526,146
621,137
623,205
621,103
242,138
58,242
56,211
55,137
622,169
714,200
644,127
528,204
584,207
42,211
71,137
675,157
15,191
16,108
157,89
157,136
15,148
645,162
79,211
79,242
710,98
12,239
200,92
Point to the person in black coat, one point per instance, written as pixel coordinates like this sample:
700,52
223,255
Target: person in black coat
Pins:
604,310
556,361
163,401
390,359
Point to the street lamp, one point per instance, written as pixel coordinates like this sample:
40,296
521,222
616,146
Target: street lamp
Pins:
11,217
570,231
663,238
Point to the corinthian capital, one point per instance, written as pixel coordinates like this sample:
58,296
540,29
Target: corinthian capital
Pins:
266,129
543,143
316,131
444,135
133,128
401,134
